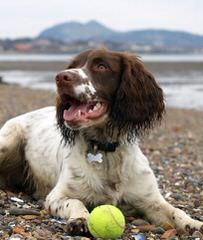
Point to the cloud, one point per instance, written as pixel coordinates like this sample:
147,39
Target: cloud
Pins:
28,18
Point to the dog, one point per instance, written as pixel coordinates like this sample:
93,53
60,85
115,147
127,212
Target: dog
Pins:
85,151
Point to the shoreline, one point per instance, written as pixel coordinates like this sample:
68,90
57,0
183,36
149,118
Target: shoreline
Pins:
182,82
154,66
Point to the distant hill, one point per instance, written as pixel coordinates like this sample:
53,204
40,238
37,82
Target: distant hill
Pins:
74,31
95,31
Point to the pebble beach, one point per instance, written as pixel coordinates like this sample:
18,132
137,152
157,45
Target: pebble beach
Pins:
175,152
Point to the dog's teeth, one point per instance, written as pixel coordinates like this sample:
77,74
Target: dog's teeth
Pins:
95,108
98,105
78,113
90,111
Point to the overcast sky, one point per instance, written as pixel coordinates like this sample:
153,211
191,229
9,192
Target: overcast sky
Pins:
19,18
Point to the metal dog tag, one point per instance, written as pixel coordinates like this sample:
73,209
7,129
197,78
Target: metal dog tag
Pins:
95,157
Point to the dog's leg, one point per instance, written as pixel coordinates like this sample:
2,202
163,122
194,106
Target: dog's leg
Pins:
59,204
11,146
163,213
143,193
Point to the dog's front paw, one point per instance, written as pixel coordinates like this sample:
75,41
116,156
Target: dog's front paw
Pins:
195,226
65,207
186,224
77,227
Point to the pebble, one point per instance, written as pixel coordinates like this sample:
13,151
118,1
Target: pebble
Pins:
168,234
29,217
176,151
9,229
139,236
23,211
177,196
197,203
16,237
138,222
15,199
67,238
60,221
21,231
147,228
168,195
2,211
159,230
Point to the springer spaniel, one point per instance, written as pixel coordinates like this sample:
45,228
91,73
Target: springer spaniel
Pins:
85,151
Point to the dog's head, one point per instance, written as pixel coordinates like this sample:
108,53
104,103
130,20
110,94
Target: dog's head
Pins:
101,87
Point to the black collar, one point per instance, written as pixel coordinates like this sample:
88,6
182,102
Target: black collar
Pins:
103,146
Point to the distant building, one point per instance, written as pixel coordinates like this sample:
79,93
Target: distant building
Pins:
23,47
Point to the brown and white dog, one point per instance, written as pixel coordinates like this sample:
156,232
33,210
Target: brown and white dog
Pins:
85,151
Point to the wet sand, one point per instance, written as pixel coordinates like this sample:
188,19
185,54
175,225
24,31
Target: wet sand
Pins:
156,67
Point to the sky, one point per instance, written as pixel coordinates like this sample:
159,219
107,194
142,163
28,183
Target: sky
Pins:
21,18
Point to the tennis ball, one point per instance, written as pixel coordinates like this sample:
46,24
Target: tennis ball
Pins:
106,221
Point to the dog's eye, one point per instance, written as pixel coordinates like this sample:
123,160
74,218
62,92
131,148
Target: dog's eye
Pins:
101,67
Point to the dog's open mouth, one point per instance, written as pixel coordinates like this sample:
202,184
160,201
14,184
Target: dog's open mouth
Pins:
84,111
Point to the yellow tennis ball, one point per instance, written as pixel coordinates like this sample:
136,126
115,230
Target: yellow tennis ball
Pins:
106,221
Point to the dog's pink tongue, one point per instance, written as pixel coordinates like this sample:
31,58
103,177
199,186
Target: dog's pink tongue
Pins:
73,112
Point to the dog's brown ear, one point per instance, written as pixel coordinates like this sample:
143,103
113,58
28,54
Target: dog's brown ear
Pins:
139,100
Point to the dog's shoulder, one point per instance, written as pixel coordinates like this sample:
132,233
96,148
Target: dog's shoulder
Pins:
47,112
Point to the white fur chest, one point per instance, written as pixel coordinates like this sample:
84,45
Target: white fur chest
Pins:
94,182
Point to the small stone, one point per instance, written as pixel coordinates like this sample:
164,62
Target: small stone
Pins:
44,212
60,221
177,196
168,195
176,151
177,128
37,221
41,233
197,203
190,135
146,228
156,153
138,222
159,230
139,236
173,238
21,231
169,233
29,217
9,229
67,238
135,230
23,211
16,237
40,203
2,211
15,199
